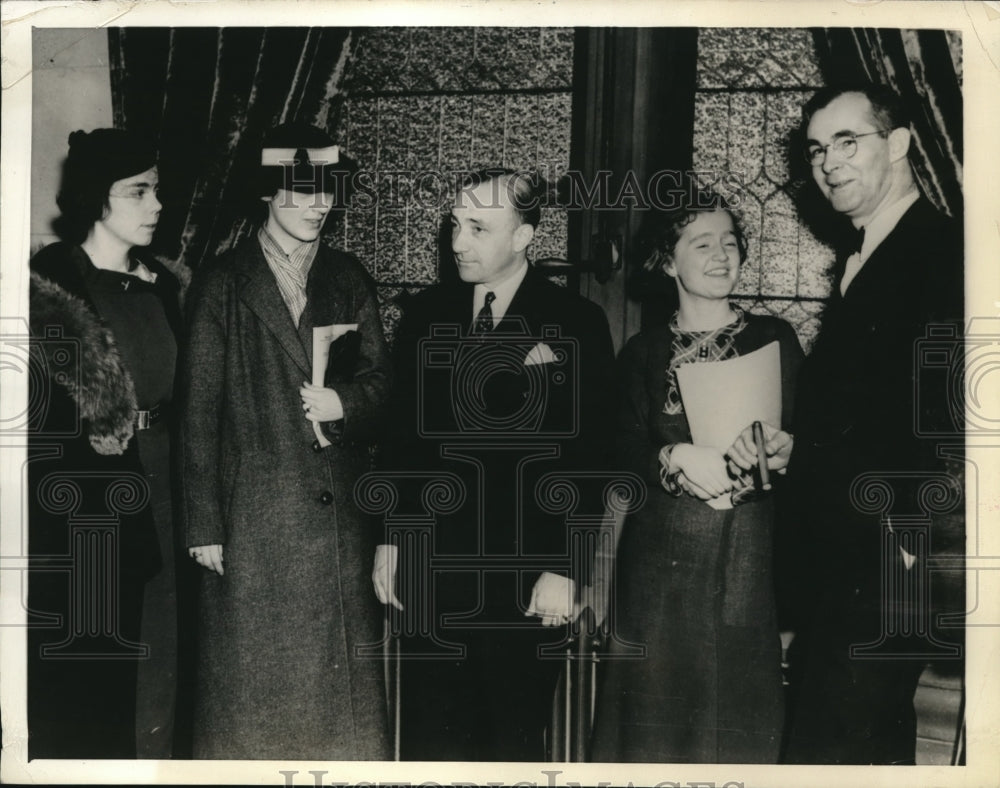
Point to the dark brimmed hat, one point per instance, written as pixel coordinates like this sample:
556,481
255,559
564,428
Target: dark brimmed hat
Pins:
303,158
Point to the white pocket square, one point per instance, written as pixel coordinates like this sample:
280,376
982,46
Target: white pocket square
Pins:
539,354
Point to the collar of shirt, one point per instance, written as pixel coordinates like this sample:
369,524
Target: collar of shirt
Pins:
296,264
136,267
504,293
883,223
140,270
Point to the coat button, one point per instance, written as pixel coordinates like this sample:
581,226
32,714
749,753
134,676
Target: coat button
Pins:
326,498
316,447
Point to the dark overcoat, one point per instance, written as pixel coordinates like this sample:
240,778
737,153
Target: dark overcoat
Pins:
280,675
860,406
85,480
872,410
470,410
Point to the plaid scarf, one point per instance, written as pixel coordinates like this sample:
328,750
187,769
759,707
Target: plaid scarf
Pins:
291,271
690,347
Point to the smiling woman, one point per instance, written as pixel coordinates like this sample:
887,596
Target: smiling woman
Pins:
706,263
100,517
694,579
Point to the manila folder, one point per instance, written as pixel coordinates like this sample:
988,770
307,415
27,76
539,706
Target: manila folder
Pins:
722,398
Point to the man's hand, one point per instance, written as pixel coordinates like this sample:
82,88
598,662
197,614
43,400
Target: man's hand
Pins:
703,469
553,599
321,403
742,454
384,575
209,556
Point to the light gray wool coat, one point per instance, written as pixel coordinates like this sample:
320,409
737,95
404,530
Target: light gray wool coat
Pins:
279,676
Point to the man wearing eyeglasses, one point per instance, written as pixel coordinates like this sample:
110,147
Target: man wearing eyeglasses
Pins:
866,642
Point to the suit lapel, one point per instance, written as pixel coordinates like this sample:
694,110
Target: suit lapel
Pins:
522,316
889,253
457,310
305,332
261,295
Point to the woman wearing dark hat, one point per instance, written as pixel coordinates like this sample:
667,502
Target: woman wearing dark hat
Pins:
694,580
271,457
105,322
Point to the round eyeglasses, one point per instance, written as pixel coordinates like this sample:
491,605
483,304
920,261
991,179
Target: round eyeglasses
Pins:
845,147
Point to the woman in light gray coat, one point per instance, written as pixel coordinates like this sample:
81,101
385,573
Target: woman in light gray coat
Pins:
286,598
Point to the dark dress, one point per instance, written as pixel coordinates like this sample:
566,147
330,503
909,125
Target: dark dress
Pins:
100,523
693,673
133,311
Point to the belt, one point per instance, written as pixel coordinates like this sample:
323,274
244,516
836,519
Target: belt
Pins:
144,419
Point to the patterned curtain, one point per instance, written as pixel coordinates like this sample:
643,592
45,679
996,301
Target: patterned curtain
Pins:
207,95
925,68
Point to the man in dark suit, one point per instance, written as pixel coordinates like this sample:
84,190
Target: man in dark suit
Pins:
502,387
866,477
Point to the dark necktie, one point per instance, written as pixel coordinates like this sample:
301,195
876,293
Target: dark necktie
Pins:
853,263
484,320
859,239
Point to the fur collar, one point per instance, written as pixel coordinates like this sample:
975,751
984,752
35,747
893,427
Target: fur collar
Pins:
102,389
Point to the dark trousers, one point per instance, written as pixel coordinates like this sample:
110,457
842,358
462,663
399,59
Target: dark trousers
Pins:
857,661
491,705
851,709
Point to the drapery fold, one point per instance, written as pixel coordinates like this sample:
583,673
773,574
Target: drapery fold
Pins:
207,95
633,117
924,67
